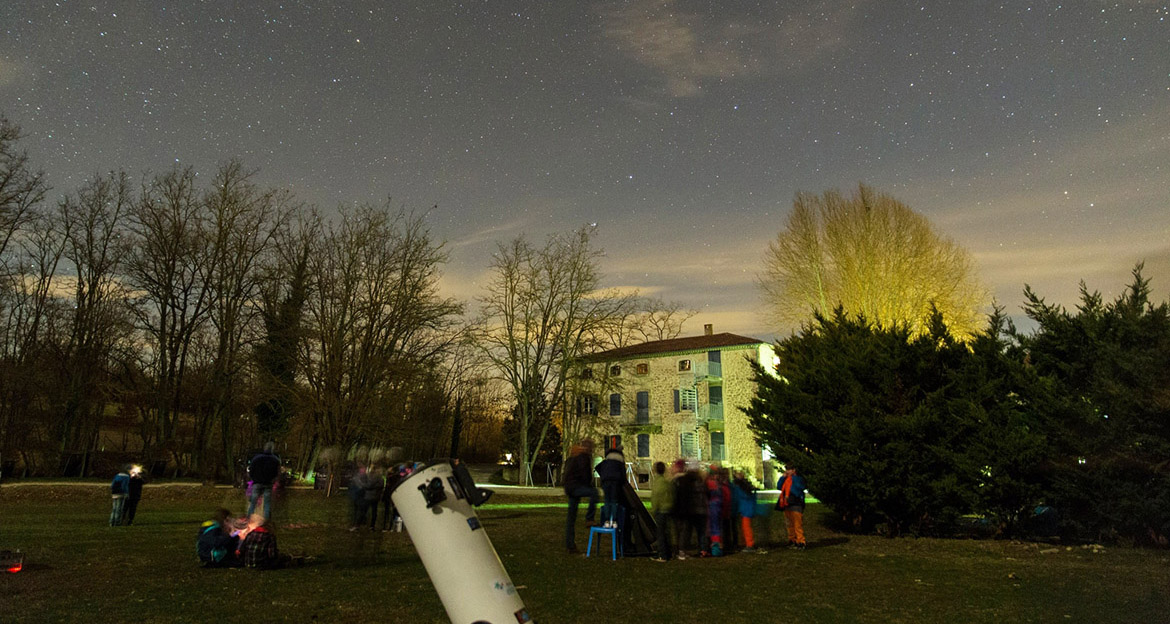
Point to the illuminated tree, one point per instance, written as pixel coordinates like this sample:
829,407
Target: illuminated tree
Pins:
873,256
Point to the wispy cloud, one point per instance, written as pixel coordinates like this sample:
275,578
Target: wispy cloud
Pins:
686,48
9,72
492,233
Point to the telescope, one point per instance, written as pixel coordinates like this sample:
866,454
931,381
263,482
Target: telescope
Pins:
437,505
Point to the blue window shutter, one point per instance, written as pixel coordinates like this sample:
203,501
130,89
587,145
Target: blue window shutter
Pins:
676,402
615,404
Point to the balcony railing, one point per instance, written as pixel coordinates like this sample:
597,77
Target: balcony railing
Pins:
710,411
701,371
639,420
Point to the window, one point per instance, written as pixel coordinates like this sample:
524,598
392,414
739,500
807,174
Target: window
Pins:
718,448
589,404
643,445
687,444
684,366
612,442
643,415
587,373
615,371
715,395
642,369
688,398
615,404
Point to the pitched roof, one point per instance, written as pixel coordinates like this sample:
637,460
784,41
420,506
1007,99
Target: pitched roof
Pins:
690,343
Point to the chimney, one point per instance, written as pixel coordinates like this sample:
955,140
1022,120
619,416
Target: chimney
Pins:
708,329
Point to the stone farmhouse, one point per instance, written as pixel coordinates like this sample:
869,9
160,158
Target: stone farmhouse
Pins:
677,398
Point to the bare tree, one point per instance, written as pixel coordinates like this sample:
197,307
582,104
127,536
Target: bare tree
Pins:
872,255
21,188
239,230
373,318
23,288
28,328
93,223
166,260
542,312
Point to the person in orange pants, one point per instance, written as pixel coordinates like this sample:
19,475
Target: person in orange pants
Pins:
791,502
744,494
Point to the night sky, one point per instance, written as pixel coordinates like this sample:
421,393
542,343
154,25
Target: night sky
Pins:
1035,134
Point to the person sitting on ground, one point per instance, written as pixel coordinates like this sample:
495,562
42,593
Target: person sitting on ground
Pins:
258,549
216,546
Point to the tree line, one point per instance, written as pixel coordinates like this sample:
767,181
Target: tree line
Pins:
183,320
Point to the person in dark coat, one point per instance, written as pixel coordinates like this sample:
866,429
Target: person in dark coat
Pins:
612,471
690,508
578,485
263,470
133,495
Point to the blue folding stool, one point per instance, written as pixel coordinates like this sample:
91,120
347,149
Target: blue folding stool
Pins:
609,511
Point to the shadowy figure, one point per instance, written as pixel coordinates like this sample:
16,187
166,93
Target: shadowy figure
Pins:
133,495
578,485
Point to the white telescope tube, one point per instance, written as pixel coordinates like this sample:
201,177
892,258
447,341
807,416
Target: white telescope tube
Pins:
459,557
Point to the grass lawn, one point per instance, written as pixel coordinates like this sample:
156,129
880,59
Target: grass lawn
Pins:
78,569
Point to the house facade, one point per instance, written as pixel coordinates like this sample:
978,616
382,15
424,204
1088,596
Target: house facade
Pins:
678,398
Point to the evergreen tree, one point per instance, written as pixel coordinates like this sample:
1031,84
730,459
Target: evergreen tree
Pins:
1113,359
902,431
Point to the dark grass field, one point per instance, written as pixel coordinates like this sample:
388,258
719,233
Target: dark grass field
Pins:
78,569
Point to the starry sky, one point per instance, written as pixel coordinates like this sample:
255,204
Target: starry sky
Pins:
1037,134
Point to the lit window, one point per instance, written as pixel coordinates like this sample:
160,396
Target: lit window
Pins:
684,366
642,369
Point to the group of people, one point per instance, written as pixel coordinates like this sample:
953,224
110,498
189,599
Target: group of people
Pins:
370,487
126,491
708,512
227,542
248,541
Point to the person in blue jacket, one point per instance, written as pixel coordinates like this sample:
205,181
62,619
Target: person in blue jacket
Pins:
119,489
744,494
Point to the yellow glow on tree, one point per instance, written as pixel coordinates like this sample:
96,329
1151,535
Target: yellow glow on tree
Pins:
874,256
